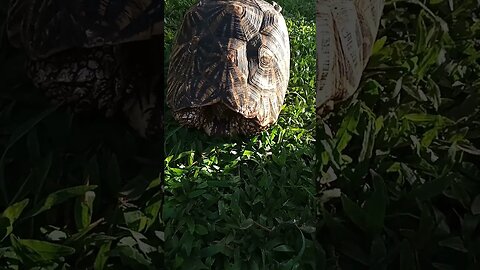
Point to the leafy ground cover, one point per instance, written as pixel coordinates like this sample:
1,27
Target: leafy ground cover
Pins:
398,165
246,203
75,192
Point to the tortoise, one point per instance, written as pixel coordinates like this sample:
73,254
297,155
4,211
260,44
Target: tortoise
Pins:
229,67
346,32
94,55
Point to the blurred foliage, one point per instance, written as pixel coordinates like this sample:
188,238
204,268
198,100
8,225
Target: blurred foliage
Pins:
398,165
246,203
76,192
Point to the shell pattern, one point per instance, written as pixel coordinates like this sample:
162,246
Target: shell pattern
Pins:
346,32
94,55
45,27
229,67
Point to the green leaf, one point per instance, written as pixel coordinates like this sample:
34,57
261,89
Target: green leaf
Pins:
378,45
378,124
398,87
420,42
152,210
475,207
155,183
82,233
5,228
421,118
59,197
428,59
459,192
187,241
15,137
470,225
84,209
455,243
429,136
12,213
368,142
102,256
201,230
425,228
283,248
430,189
348,126
434,93
132,257
468,148
196,193
141,241
247,223
354,212
345,240
35,252
213,250
194,264
376,204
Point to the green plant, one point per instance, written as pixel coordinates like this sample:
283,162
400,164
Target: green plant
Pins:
246,204
398,169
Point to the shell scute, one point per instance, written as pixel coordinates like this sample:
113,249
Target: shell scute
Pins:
242,60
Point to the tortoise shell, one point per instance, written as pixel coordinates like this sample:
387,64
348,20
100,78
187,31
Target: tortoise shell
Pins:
94,55
229,67
346,32
45,27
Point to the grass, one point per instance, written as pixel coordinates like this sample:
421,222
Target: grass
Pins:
246,204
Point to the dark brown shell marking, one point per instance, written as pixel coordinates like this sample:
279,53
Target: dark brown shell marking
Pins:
229,56
45,27
95,55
